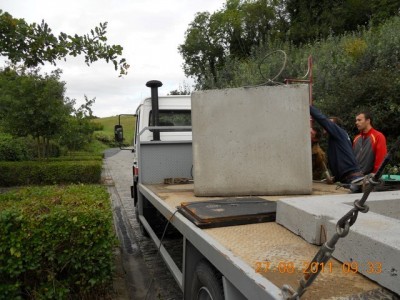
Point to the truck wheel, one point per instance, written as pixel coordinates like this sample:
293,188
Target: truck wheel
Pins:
143,231
134,192
207,283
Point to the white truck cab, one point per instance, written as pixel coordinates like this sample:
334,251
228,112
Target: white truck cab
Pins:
164,119
172,111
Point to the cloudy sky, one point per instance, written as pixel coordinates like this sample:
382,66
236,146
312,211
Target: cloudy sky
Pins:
148,30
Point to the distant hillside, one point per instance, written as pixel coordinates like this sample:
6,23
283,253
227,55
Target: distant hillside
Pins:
108,123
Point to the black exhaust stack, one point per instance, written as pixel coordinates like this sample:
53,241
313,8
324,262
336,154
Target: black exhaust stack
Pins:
154,85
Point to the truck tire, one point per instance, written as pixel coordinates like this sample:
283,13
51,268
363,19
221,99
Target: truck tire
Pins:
134,192
142,230
207,283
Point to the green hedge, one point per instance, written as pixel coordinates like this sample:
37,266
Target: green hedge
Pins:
16,149
74,158
56,242
50,172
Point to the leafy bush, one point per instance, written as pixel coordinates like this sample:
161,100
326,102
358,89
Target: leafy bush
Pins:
51,172
76,133
55,242
15,149
104,138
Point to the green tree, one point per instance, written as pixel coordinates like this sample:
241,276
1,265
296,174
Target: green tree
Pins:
34,44
247,24
78,130
228,34
33,105
316,19
202,51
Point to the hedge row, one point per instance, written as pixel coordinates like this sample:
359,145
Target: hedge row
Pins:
74,158
50,172
56,242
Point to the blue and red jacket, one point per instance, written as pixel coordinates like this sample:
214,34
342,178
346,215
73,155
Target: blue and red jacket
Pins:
341,159
370,150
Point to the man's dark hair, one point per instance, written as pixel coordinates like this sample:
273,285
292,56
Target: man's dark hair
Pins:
338,121
367,115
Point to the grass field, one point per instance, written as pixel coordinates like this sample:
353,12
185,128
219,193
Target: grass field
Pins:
128,123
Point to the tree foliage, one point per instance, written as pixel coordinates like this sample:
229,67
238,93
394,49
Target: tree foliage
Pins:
33,105
215,43
202,51
317,19
351,72
77,132
34,44
183,89
228,33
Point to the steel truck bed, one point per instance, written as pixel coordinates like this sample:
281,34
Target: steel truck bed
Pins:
258,259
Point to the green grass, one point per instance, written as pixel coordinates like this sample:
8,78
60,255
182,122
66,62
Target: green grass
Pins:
128,123
95,147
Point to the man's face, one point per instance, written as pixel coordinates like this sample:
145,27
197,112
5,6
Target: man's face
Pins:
361,122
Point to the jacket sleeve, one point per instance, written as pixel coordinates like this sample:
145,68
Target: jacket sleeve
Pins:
328,125
380,152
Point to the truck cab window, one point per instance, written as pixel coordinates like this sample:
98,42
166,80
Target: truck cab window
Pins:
172,118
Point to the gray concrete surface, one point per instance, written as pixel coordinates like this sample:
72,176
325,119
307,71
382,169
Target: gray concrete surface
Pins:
146,273
373,242
252,141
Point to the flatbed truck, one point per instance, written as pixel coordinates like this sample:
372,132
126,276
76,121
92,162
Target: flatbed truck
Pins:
243,261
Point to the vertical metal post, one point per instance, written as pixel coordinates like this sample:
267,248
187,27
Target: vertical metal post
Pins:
154,85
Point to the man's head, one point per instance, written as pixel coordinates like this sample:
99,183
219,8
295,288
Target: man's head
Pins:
364,121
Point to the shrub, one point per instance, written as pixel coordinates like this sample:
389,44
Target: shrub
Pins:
104,138
55,242
49,172
15,149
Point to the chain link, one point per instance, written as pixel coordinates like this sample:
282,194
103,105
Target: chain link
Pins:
342,229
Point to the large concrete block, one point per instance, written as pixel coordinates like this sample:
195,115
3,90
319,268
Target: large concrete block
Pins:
373,243
252,141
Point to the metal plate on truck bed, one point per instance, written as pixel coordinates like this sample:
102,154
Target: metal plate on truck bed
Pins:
229,211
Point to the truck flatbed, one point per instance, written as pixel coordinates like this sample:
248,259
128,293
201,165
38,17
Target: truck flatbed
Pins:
269,250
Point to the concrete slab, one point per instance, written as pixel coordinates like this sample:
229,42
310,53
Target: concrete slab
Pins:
251,141
373,244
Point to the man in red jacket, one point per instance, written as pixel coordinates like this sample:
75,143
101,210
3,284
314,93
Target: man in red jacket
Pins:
369,145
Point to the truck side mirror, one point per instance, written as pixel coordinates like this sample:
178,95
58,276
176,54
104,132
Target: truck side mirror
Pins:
118,133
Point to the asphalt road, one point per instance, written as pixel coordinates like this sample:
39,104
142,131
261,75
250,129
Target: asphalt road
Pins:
147,276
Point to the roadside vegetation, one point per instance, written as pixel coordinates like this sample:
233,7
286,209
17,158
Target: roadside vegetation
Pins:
56,242
57,238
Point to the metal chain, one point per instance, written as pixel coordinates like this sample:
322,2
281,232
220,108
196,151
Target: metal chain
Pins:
342,229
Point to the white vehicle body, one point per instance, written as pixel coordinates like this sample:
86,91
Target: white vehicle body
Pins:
167,104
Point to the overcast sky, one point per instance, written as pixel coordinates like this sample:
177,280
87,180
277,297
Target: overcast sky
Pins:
148,30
